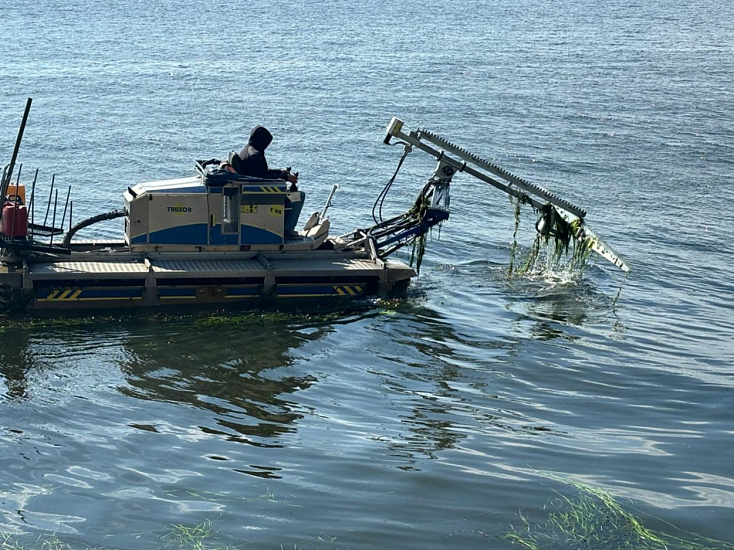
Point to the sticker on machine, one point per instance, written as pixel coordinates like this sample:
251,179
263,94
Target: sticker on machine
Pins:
276,211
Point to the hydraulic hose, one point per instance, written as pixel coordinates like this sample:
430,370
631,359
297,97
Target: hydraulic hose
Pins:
91,221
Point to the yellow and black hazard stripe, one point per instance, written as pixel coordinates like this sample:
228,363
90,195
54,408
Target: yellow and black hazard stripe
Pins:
264,189
271,189
348,290
77,294
62,295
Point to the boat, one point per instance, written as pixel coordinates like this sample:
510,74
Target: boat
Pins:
219,237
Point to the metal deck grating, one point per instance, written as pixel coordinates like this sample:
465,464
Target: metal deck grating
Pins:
322,265
205,266
213,268
86,269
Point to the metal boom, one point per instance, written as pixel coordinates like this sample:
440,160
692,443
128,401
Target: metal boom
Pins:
452,158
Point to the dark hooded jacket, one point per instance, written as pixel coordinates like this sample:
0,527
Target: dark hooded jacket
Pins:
253,156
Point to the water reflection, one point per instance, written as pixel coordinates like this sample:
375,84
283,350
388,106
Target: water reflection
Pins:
240,371
453,380
14,363
555,305
240,368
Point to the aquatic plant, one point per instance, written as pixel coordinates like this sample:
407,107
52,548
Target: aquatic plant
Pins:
555,239
594,519
190,538
417,213
419,249
53,543
181,537
8,323
513,247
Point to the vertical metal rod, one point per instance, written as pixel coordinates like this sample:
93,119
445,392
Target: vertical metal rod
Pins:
71,213
50,194
4,184
31,207
66,205
33,191
20,169
53,223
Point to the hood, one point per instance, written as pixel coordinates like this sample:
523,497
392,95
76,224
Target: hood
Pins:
260,138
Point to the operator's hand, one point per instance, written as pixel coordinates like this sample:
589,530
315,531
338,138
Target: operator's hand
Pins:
292,178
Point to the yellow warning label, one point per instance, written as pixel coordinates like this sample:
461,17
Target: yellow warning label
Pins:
276,211
248,209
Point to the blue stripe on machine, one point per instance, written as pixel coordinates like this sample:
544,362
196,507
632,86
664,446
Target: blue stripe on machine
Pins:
216,237
255,235
243,292
177,292
114,293
194,234
88,294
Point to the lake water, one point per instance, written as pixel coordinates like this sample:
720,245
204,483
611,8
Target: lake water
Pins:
460,414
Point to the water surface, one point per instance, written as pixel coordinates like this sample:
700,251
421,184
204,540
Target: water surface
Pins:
436,421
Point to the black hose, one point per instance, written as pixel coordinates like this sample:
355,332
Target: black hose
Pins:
381,197
91,221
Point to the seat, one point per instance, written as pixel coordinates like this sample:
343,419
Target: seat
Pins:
235,162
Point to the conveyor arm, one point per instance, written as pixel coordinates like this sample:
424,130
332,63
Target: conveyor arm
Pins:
452,159
523,190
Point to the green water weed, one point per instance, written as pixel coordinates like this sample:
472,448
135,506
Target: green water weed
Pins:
513,247
8,543
594,519
184,537
53,543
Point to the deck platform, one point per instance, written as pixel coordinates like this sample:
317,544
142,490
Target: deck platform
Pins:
118,280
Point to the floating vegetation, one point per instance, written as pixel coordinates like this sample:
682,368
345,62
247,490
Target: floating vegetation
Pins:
594,520
8,323
229,319
322,313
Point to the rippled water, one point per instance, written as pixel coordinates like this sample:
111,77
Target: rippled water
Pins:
437,421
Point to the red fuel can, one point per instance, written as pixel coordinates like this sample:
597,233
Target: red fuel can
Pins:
14,221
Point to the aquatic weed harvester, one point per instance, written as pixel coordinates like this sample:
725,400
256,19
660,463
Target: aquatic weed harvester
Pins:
220,237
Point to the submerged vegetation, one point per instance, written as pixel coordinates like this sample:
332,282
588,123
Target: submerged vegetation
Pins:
594,519
181,537
191,538
582,517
